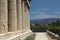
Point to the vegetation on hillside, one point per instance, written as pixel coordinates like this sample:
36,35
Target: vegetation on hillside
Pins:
38,28
55,27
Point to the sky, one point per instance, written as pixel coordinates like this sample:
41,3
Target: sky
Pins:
41,9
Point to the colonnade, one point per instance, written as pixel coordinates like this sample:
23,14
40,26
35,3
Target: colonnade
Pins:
14,16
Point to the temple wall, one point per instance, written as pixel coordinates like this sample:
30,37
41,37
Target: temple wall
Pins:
14,19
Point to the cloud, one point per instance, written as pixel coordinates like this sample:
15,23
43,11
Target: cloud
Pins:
42,13
58,12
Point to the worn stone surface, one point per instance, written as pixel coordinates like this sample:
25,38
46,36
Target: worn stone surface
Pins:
41,36
14,17
3,16
19,15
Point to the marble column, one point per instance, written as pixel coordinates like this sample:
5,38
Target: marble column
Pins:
19,16
23,18
22,12
24,15
28,18
3,16
12,15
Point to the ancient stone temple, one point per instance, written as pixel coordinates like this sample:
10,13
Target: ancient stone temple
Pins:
14,19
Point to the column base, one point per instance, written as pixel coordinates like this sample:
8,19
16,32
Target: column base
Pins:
9,35
26,34
23,31
15,36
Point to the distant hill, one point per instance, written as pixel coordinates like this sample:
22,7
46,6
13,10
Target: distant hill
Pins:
44,21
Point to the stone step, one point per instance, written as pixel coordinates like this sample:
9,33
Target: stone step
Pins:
14,36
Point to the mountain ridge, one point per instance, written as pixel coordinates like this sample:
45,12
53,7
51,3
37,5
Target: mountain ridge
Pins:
44,21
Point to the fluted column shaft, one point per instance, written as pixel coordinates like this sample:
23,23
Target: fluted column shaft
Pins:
23,18
24,15
28,19
12,15
19,16
3,16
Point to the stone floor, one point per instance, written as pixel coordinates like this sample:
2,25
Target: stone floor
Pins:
41,36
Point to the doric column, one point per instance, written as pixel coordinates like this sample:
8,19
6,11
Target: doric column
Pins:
23,17
12,15
3,16
28,19
22,12
19,16
25,14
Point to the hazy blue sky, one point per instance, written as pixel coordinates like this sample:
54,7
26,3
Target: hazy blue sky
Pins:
45,9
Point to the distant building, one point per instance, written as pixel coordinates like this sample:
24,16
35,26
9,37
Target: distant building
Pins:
33,24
